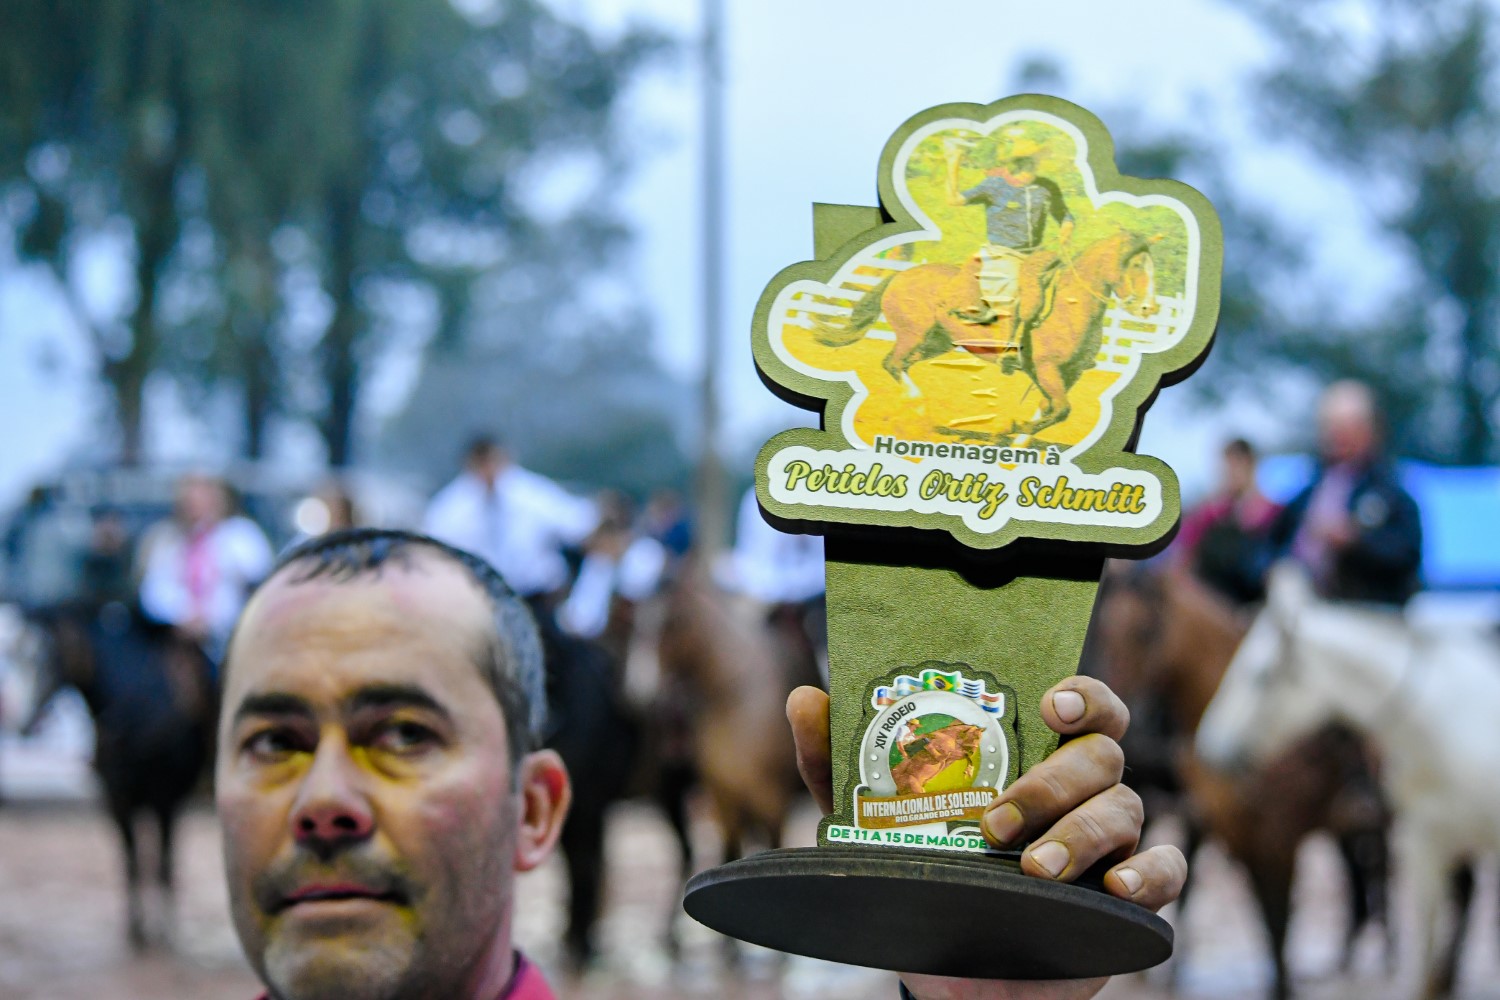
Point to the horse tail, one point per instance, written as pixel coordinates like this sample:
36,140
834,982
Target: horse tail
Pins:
866,312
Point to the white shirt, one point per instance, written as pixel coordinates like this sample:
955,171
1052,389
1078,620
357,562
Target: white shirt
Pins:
771,565
635,576
203,577
520,526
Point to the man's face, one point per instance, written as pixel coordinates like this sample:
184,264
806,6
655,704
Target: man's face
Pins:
369,812
1346,427
1021,171
1239,472
200,501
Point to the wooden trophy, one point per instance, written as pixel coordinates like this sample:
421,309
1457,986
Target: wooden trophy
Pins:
981,348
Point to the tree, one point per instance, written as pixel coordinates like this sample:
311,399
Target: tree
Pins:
1403,98
91,126
391,137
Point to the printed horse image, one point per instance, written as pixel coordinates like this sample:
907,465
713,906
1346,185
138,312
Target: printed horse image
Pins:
151,694
1163,642
1060,320
1427,700
928,755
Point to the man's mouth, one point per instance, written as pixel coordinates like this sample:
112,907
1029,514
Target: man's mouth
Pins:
336,892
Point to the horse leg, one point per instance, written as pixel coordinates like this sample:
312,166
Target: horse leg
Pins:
135,921
166,820
582,842
1192,841
1359,894
1428,870
908,350
1055,407
673,785
1367,865
1445,973
731,823
1271,880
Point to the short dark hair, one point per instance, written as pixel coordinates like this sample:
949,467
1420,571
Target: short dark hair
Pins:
1240,448
512,664
482,447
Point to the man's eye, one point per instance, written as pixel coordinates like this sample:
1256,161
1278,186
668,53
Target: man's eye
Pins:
271,744
405,737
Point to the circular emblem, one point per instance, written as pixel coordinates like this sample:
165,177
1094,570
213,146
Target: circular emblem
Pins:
933,741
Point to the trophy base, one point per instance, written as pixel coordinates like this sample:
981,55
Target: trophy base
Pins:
975,917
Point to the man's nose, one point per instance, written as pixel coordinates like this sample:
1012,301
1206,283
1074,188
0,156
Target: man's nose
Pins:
331,806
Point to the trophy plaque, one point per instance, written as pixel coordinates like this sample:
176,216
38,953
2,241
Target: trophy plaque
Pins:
981,348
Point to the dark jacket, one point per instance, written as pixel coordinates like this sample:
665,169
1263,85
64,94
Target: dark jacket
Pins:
1384,562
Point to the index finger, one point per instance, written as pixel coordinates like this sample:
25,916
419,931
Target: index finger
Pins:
1080,705
807,711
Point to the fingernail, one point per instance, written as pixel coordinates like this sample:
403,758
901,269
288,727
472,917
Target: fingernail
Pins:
1051,857
1068,705
1004,823
1130,879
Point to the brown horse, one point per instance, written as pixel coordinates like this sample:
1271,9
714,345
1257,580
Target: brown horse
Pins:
1163,641
928,755
1059,319
736,665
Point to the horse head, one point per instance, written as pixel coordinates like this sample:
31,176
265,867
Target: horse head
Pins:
1124,636
1136,288
1277,688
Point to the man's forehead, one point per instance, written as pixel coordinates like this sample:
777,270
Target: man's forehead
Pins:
415,582
425,601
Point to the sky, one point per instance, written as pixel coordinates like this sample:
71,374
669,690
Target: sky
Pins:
812,92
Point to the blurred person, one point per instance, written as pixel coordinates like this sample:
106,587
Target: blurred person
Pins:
1354,528
783,570
380,784
772,566
1017,204
520,523
343,512
620,566
1222,539
668,520
105,574
42,547
515,519
330,507
199,565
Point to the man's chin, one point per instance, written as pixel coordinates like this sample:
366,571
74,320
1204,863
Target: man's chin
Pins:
331,959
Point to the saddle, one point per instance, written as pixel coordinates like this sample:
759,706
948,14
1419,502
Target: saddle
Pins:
1035,285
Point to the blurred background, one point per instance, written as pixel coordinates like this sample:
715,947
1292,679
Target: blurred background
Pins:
284,264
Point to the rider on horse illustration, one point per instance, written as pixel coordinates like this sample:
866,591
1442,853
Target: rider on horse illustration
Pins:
1017,205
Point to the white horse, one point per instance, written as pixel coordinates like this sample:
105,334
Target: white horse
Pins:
1430,701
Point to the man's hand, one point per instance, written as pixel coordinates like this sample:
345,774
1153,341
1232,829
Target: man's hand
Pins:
1071,808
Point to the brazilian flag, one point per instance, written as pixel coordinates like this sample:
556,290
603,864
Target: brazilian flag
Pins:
936,680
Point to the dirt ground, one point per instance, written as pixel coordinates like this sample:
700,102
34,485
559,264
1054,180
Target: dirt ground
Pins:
62,938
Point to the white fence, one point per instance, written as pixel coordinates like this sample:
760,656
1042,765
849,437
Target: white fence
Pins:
1122,332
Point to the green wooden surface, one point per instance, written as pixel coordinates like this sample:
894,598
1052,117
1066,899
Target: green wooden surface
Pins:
882,619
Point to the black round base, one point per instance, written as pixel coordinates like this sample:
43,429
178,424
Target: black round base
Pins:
938,914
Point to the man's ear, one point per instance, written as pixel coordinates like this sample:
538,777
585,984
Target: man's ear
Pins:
546,793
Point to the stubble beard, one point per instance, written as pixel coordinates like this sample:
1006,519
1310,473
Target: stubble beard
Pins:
341,970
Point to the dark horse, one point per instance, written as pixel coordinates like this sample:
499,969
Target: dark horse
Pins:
151,693
1062,305
593,731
